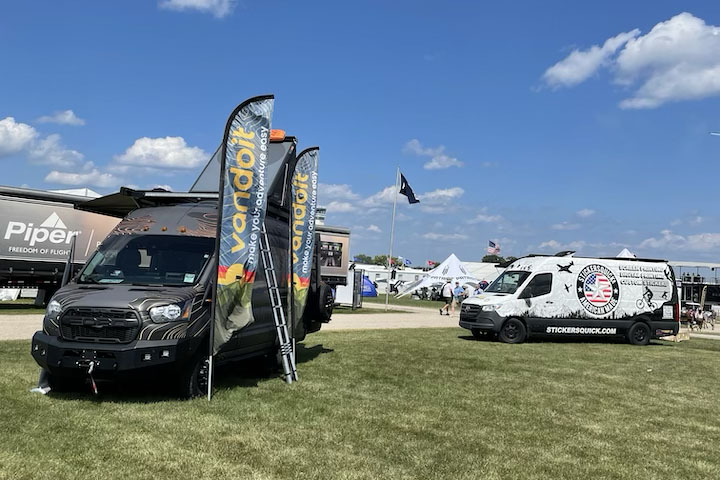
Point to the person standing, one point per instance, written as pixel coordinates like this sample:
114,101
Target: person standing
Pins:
458,294
447,295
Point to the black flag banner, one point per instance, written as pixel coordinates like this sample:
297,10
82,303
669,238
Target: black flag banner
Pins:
241,208
406,190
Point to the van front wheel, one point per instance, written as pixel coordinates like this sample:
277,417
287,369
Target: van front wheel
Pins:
513,331
639,334
193,380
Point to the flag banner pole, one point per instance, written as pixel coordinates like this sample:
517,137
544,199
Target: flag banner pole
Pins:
242,201
392,233
67,274
304,191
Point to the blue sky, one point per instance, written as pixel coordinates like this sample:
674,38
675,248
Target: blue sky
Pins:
565,125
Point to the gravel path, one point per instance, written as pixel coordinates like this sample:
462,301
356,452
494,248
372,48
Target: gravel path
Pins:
22,327
19,327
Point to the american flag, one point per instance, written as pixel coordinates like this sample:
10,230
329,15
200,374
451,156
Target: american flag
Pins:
597,288
493,248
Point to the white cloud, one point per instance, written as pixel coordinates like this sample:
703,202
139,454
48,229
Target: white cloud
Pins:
585,213
555,246
163,186
14,136
374,228
445,236
94,177
168,152
678,59
440,200
441,196
484,217
701,242
438,159
340,207
64,117
565,226
328,191
219,8
385,196
50,151
581,64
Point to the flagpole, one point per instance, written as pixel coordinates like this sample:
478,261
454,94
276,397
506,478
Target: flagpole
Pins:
392,234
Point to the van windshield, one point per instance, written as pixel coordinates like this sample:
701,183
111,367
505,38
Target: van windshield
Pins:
171,260
508,282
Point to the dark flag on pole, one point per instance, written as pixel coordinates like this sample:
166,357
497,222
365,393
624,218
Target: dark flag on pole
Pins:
406,190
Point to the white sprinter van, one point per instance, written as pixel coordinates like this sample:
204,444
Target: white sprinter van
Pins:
564,295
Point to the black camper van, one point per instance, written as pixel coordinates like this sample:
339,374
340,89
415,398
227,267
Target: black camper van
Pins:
142,301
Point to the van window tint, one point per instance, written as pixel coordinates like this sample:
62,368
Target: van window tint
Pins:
541,284
149,260
508,282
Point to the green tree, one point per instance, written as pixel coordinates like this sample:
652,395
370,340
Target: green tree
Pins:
382,260
493,259
362,258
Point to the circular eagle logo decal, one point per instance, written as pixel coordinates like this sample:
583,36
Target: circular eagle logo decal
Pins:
597,289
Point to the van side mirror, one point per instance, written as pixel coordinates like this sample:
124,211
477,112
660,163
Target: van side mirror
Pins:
527,293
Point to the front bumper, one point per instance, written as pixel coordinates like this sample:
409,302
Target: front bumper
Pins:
60,356
474,318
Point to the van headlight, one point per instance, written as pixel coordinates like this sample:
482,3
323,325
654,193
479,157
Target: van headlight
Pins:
165,313
490,308
54,309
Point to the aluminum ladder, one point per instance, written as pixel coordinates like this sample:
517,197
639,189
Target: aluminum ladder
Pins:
286,344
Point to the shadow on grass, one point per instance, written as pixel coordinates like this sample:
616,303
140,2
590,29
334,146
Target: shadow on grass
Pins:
538,338
158,387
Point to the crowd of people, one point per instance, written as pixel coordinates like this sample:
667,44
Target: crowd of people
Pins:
454,296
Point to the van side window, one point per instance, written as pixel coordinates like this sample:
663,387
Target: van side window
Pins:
541,284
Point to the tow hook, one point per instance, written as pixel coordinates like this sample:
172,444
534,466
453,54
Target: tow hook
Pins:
91,367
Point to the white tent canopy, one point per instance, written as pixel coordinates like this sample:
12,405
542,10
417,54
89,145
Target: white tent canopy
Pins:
626,254
450,269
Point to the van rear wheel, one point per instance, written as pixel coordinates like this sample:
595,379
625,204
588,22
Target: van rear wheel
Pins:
513,331
639,334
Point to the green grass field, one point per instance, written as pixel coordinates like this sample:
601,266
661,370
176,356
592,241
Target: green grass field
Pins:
389,404
364,310
404,301
20,306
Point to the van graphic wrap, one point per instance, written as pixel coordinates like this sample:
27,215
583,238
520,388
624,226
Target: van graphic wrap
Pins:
242,204
304,204
563,295
597,289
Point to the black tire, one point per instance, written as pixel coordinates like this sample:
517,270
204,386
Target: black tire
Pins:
193,379
513,331
326,302
639,334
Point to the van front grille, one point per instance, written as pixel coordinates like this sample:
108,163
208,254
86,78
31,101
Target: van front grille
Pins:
99,325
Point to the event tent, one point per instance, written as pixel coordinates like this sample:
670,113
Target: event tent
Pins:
625,253
450,269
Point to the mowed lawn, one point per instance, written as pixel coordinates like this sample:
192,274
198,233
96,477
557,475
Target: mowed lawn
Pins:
389,404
